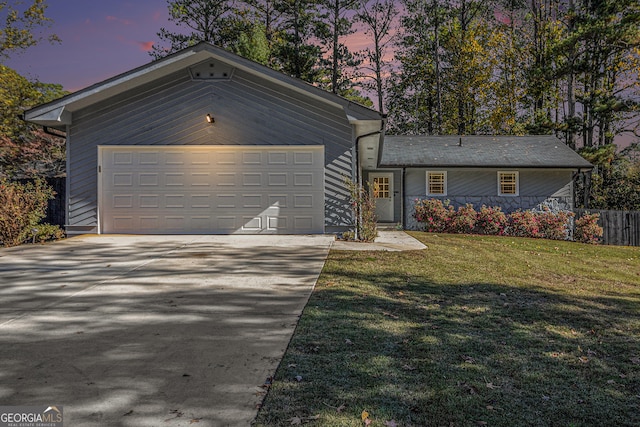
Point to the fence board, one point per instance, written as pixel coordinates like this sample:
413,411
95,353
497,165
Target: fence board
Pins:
620,228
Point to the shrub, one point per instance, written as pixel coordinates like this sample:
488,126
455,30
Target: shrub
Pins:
491,220
523,224
433,214
463,220
364,211
587,229
22,206
554,225
46,232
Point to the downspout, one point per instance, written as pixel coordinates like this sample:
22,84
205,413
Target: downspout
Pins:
358,175
403,205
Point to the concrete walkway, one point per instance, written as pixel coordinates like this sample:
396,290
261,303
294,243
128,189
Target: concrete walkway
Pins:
387,240
151,330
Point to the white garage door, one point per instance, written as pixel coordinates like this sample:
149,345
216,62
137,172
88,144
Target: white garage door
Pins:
212,189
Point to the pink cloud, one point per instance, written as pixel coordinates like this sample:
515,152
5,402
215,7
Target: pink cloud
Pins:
145,46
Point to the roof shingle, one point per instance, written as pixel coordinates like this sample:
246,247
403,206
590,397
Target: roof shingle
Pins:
540,151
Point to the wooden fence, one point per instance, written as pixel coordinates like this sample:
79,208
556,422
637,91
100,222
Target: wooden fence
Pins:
621,228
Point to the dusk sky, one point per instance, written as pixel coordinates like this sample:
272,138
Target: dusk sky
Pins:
100,39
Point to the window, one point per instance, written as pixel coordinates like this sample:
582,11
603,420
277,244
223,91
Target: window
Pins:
381,187
436,183
508,184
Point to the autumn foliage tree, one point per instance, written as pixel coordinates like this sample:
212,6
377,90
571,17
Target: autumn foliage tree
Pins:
22,26
25,150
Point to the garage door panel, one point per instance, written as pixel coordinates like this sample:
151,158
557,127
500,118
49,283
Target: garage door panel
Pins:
212,190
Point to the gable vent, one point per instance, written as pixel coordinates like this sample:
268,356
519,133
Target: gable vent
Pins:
211,70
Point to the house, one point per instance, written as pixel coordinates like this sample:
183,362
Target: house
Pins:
513,172
204,141
207,142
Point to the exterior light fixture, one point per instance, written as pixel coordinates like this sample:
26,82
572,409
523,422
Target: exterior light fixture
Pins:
210,119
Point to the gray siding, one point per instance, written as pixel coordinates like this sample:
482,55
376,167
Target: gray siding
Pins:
480,186
247,111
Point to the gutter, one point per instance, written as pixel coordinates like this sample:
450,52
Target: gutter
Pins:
48,131
45,129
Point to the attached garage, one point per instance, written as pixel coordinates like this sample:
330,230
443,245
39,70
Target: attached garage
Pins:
204,141
211,189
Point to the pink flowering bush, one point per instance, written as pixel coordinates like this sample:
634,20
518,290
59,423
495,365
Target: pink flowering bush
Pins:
463,221
433,214
436,216
554,225
524,224
491,220
587,229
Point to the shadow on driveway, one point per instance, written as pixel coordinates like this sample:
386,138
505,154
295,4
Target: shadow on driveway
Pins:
151,330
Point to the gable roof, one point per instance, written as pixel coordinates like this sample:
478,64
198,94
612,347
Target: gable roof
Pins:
58,113
540,151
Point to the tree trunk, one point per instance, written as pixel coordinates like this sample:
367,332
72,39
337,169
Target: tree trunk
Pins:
336,53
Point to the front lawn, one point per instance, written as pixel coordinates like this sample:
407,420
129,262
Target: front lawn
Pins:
472,331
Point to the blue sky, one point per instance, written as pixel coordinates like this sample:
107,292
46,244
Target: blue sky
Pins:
100,39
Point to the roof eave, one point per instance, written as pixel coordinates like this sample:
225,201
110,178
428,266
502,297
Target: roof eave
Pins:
488,166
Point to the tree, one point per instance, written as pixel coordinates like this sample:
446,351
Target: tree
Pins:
20,27
297,53
377,18
506,49
213,21
333,27
254,45
465,42
25,150
615,181
413,88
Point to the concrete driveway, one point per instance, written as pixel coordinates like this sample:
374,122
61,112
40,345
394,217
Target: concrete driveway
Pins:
151,330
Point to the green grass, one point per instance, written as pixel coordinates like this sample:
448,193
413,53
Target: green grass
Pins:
472,330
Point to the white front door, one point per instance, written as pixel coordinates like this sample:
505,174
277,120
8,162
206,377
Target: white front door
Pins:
381,185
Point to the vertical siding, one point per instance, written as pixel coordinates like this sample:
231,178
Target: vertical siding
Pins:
171,111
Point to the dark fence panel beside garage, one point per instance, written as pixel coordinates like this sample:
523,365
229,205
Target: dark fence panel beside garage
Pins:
56,210
621,228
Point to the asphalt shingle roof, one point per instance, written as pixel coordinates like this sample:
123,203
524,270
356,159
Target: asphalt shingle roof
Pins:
540,151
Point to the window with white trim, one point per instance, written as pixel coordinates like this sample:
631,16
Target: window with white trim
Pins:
436,183
508,183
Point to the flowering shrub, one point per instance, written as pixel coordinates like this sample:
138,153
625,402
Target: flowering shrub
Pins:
524,224
491,220
554,225
22,206
587,229
437,216
462,221
433,214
